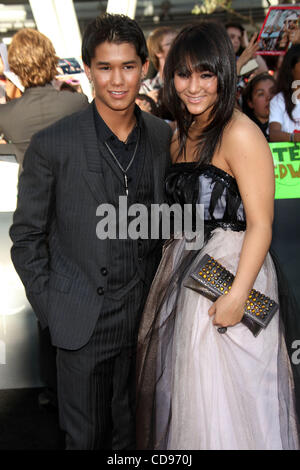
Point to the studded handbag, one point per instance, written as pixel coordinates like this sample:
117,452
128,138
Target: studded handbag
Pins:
212,280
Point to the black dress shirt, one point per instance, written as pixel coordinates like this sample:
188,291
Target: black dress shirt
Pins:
122,150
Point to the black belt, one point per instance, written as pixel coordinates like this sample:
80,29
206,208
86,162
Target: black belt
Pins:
238,226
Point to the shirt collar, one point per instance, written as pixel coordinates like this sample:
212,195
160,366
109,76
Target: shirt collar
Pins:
104,133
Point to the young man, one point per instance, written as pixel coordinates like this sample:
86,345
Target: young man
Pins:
88,289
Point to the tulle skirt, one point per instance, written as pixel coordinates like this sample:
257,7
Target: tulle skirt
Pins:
199,389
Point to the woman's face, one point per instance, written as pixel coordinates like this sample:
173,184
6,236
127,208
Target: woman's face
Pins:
198,91
236,37
262,93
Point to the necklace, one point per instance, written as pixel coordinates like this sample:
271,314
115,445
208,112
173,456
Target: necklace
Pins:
124,170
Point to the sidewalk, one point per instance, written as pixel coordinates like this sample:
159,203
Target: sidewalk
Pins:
23,426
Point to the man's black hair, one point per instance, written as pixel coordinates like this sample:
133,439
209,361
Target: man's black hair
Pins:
116,29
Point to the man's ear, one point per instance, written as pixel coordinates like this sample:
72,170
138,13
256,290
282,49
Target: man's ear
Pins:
87,71
145,68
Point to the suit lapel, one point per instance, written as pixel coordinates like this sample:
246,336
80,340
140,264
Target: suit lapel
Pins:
155,154
93,175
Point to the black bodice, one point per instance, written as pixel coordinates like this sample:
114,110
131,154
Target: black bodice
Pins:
191,183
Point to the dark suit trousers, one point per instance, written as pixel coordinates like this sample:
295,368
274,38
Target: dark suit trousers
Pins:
96,384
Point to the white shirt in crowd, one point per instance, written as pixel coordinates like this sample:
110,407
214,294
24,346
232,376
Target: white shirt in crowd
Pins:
278,114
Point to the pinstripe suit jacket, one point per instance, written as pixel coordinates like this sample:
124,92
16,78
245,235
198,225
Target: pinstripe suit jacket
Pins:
55,249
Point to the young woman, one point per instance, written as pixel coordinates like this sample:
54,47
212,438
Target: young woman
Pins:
285,106
197,388
256,100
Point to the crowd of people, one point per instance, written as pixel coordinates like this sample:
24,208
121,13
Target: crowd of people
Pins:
255,89
134,346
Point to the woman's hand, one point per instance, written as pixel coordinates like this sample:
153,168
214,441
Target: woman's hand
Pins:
248,53
228,310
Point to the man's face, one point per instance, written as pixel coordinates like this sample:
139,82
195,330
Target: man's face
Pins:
116,71
236,38
290,25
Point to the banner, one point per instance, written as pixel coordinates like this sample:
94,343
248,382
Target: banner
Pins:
280,30
286,157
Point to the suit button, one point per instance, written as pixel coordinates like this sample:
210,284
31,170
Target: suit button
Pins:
100,291
104,271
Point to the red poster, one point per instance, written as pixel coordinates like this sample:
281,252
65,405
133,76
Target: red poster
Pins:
280,30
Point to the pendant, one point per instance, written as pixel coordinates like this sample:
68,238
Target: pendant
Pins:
126,183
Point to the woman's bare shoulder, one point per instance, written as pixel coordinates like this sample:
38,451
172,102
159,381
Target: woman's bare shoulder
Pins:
244,141
242,129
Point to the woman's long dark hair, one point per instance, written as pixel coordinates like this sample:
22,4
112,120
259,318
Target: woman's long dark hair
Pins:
285,77
203,46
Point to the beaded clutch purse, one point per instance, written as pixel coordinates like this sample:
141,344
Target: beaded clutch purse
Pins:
212,280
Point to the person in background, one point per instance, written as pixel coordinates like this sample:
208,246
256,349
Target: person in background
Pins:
236,33
256,100
284,116
32,58
290,32
158,43
244,50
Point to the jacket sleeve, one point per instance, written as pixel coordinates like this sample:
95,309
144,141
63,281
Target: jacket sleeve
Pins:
30,229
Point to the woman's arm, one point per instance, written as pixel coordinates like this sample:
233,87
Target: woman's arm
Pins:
277,135
248,155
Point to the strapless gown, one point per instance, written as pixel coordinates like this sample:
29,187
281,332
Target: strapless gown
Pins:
197,388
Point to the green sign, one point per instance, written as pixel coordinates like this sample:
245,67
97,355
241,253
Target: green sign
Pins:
286,157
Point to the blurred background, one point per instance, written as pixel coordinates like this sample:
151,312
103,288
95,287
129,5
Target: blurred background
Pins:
17,14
